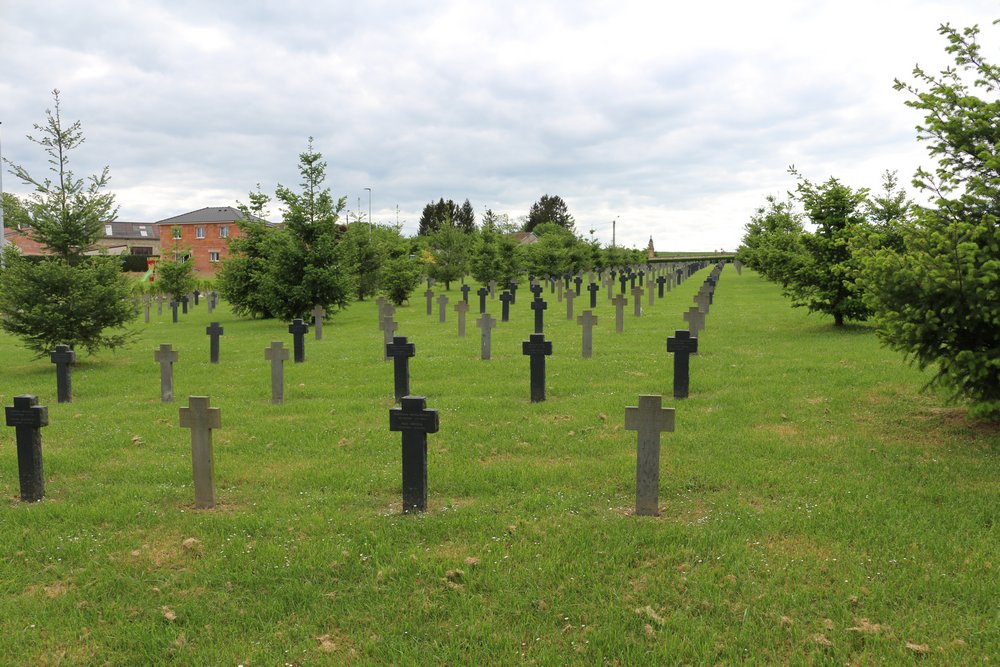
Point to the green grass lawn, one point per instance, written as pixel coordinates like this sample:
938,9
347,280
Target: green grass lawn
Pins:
815,506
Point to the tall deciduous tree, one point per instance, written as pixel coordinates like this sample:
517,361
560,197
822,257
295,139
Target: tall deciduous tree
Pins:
68,298
448,254
772,242
549,209
937,298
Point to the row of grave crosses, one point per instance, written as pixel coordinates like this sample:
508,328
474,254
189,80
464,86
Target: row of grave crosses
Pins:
412,419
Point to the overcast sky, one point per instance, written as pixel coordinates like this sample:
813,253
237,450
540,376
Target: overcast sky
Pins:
676,118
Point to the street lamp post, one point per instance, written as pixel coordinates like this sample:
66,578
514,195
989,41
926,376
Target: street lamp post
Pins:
370,223
3,234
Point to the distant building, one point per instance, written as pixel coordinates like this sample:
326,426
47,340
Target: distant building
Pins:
130,238
204,234
24,243
650,253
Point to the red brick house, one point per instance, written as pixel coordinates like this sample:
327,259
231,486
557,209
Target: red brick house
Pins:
203,234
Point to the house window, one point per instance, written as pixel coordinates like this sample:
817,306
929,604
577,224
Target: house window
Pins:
213,256
224,232
142,250
199,232
142,231
107,230
176,233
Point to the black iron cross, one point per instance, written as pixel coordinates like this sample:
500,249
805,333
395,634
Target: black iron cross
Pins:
483,293
63,358
682,345
506,298
537,348
213,331
27,418
401,351
539,306
414,421
298,329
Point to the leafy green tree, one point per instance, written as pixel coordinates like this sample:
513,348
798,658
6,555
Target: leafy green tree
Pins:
68,298
557,252
175,277
398,277
448,254
549,209
937,298
495,257
68,213
15,214
290,270
772,242
826,280
465,218
243,274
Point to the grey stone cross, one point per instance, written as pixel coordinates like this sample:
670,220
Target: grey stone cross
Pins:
277,354
462,307
649,419
486,323
166,356
619,302
201,419
588,321
318,313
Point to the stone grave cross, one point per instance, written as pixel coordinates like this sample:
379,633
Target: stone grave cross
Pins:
506,298
28,417
588,321
619,302
442,307
462,307
201,419
570,295
695,319
166,356
414,421
660,280
173,309
277,354
486,323
389,328
637,301
429,295
593,288
318,313
63,358
649,419
482,292
465,292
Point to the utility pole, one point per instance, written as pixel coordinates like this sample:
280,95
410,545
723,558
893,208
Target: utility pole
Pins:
614,224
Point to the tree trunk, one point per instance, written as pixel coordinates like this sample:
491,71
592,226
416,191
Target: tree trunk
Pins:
838,319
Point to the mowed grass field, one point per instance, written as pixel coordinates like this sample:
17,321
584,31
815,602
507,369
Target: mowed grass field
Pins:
815,506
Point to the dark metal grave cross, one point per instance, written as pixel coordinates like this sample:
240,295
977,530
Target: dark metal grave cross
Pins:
539,306
537,348
63,358
593,288
483,293
298,329
27,418
682,345
213,331
506,298
414,421
400,352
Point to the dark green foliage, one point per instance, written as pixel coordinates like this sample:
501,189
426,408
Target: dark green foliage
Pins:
67,213
495,258
937,297
772,243
435,216
134,263
15,214
285,272
175,277
54,302
448,253
549,209
398,277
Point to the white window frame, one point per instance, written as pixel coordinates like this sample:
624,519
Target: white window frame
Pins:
224,232
199,232
213,256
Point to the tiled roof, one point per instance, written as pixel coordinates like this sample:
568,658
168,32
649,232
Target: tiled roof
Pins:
207,214
132,230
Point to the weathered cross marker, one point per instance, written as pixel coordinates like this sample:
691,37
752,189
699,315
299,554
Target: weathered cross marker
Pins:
482,292
201,419
493,289
389,328
380,305
429,295
28,417
577,281
211,302
682,345
637,300
465,292
695,319
184,304
623,280
400,351
559,291
442,307
166,357
650,291
659,285
593,288
277,354
159,304
513,291
641,274
570,295
298,329
462,307
537,348
506,298
213,331
587,320
649,419
173,310
619,302
539,306
196,294
318,313
414,421
63,358
486,323
536,290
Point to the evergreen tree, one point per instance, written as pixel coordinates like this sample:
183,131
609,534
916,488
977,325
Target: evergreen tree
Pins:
68,298
549,209
465,218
